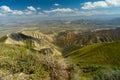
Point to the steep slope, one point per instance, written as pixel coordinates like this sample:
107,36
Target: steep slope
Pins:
69,41
103,54
38,35
34,40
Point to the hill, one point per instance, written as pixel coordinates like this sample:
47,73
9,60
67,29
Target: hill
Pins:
72,40
17,62
33,40
98,61
105,53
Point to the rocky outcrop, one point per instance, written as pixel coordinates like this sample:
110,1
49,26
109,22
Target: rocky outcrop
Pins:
38,35
6,75
35,40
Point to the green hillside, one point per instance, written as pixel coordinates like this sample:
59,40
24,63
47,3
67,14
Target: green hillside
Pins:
104,53
97,61
19,63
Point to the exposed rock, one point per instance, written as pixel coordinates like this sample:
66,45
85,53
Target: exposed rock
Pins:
12,41
34,40
23,76
38,35
6,75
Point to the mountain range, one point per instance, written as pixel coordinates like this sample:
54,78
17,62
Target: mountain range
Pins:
62,55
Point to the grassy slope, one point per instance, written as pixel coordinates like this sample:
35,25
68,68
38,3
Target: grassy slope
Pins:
97,61
105,53
17,59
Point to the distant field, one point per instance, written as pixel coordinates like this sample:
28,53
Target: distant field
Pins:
8,30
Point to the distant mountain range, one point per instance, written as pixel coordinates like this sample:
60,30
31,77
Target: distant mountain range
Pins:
19,23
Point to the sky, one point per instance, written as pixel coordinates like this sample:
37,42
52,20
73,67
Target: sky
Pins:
59,8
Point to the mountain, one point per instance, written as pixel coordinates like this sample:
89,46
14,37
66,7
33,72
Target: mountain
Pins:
71,40
30,55
115,21
63,55
33,40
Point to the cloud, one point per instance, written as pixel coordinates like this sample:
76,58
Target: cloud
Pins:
59,10
101,4
31,8
98,4
5,9
113,2
17,12
28,12
56,4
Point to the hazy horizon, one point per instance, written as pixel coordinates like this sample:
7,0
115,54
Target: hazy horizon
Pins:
56,10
